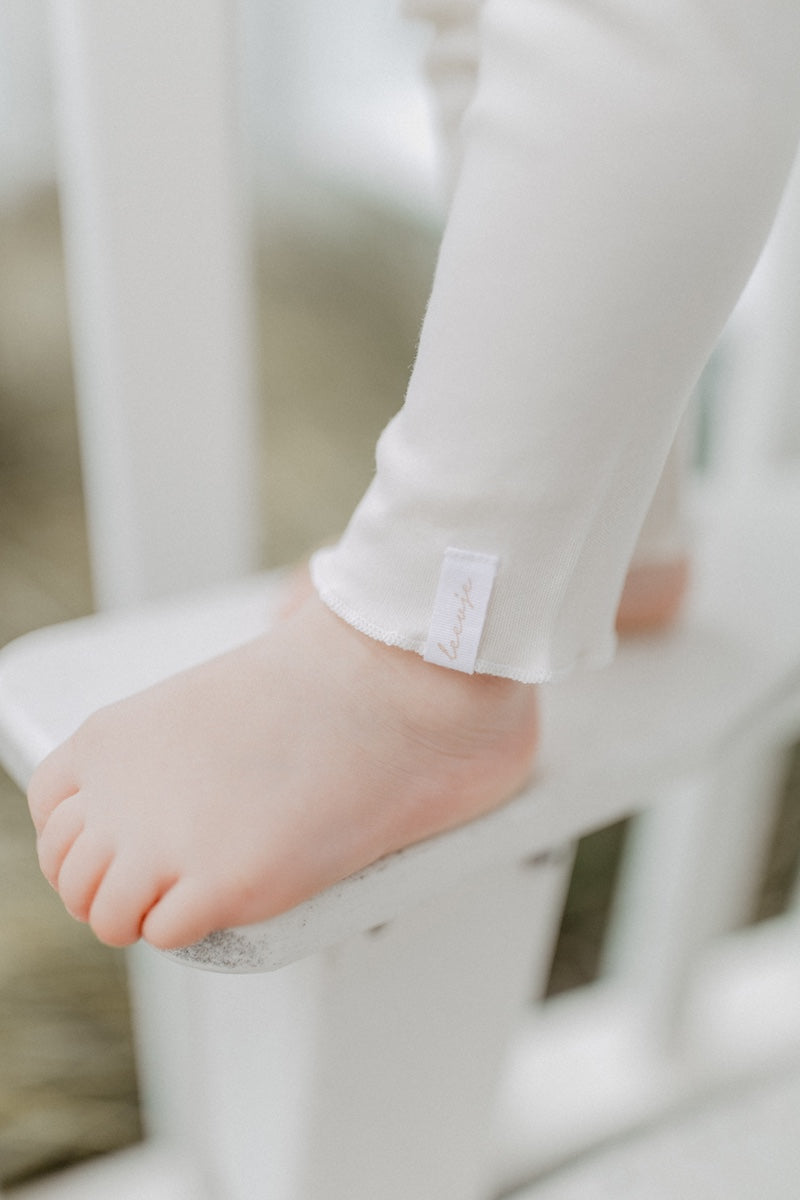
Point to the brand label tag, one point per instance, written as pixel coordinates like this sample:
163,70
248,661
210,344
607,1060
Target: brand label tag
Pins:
459,613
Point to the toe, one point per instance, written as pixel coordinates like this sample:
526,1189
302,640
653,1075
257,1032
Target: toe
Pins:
82,871
51,784
126,894
57,837
183,914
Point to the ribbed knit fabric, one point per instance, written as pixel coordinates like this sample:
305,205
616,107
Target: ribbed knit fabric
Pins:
621,165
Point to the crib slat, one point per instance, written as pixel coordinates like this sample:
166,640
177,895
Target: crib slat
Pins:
692,869
370,1070
156,249
156,246
587,1069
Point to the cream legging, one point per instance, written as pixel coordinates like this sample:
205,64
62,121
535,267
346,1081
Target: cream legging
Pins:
452,72
620,165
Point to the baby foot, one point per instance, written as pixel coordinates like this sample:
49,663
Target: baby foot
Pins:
652,596
239,788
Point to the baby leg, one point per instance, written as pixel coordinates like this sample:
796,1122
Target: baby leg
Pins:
658,577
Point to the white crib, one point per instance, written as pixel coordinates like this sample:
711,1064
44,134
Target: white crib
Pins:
398,1046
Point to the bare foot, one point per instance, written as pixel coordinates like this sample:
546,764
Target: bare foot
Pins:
237,789
652,596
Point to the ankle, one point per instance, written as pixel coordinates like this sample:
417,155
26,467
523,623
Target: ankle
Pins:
485,726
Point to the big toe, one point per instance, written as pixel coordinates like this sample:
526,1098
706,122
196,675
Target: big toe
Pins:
52,783
185,913
127,892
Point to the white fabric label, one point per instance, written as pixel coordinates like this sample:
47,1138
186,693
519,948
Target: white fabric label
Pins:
459,614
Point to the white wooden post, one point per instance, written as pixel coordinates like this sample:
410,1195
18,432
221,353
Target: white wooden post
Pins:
156,245
370,1070
26,140
157,258
692,868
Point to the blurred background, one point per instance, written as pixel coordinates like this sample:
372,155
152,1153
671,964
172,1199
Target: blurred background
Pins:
346,217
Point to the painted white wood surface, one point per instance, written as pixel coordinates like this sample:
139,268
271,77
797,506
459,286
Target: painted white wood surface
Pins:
378,1060
743,1145
148,1172
26,135
157,253
156,241
593,1066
